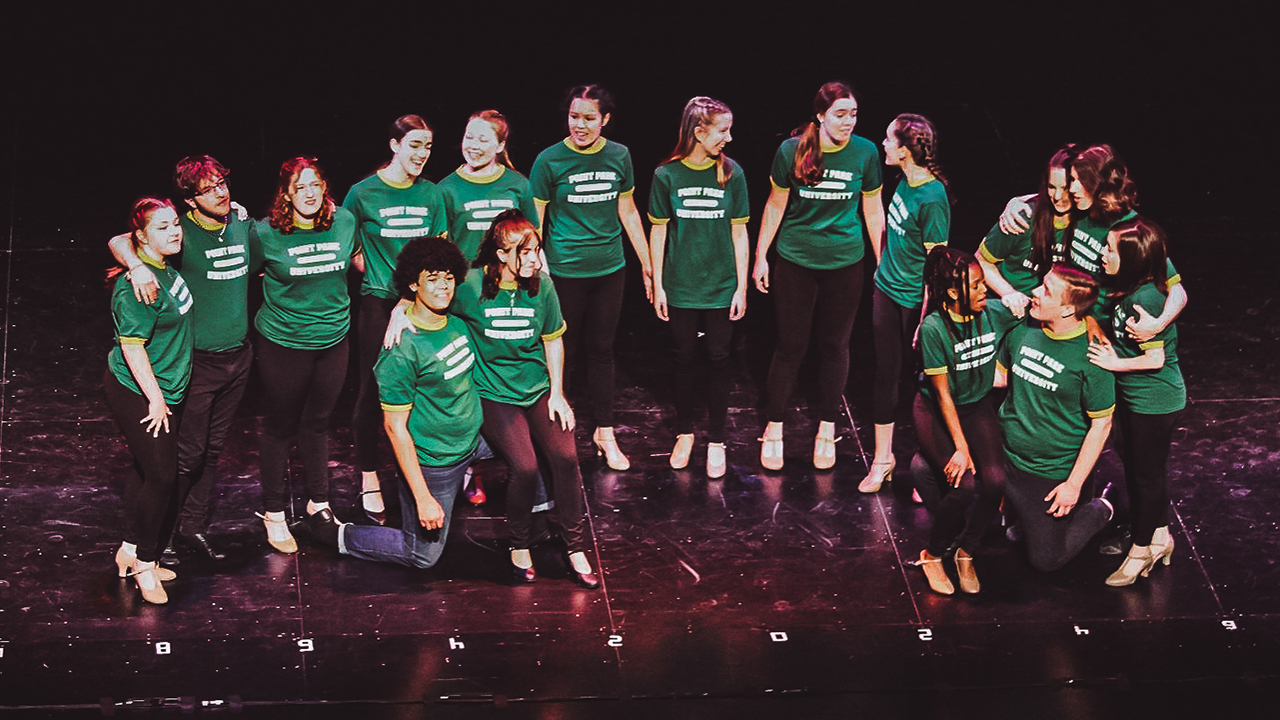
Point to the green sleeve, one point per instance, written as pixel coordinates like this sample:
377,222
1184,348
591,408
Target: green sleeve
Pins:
739,207
933,344
782,166
628,182
660,196
540,180
439,217
525,201
254,242
935,223
1098,391
1171,277
871,178
552,319
1152,300
352,204
395,373
133,319
1000,245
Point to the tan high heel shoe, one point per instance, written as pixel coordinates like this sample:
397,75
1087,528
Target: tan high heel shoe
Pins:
125,561
278,535
149,583
824,453
933,572
964,569
771,450
607,446
681,452
1137,562
880,472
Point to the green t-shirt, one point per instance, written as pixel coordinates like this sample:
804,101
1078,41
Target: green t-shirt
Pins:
698,271
388,216
306,305
215,260
164,327
471,204
967,357
1013,254
580,189
918,217
430,374
1148,392
822,226
509,331
1054,393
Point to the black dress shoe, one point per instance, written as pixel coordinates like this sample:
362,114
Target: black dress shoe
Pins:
587,580
199,542
324,527
169,558
523,576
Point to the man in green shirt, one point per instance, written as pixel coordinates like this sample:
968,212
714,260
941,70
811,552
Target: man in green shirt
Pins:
1056,419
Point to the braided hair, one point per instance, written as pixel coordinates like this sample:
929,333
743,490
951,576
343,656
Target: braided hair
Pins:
916,134
947,269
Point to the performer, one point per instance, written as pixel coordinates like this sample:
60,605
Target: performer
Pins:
1150,389
514,315
218,248
432,411
1055,420
836,177
302,326
1014,263
919,220
583,190
955,416
147,375
698,210
485,184
1101,187
391,206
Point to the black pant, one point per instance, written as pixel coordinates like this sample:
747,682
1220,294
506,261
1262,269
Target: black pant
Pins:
149,487
800,295
1143,444
218,381
591,308
717,332
893,327
366,422
948,504
513,432
301,388
1051,541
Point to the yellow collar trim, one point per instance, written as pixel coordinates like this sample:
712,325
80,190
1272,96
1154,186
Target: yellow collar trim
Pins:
485,180
303,224
504,285
1060,222
405,185
423,324
159,264
595,147
210,226
1074,332
959,318
692,166
835,148
926,181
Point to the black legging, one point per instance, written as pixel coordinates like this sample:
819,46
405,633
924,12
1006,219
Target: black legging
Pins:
301,388
717,332
513,432
948,504
893,327
149,487
366,421
1143,442
1051,541
800,295
591,308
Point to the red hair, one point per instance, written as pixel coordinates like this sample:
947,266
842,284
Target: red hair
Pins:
807,166
281,215
139,216
498,122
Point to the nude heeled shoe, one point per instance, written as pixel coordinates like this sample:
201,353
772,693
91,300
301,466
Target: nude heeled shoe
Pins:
607,446
125,561
681,452
144,574
880,472
716,463
771,450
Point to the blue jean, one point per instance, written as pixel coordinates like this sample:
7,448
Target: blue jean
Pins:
411,544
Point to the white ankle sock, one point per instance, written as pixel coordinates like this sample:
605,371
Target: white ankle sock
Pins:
522,559
129,548
275,516
313,508
579,562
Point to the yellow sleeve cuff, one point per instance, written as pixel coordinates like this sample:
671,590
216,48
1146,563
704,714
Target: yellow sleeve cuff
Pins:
929,246
1101,413
1171,281
1152,345
627,193
658,221
872,193
557,333
935,371
132,340
985,254
540,202
397,408
776,186
740,221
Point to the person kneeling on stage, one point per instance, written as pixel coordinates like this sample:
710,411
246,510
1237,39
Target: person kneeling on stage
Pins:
1056,419
431,411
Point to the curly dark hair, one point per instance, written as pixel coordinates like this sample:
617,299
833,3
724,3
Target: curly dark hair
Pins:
427,254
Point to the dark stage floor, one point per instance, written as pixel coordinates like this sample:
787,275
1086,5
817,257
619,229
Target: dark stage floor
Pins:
760,593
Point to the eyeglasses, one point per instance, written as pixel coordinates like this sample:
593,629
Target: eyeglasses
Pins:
219,187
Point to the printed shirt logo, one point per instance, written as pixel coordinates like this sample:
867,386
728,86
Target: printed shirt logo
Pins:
316,258
182,294
1086,251
456,356
404,221
1037,368
227,263
832,188
700,197
510,323
897,213
484,211
588,189
975,352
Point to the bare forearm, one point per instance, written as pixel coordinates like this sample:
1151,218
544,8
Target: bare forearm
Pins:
1090,451
135,356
